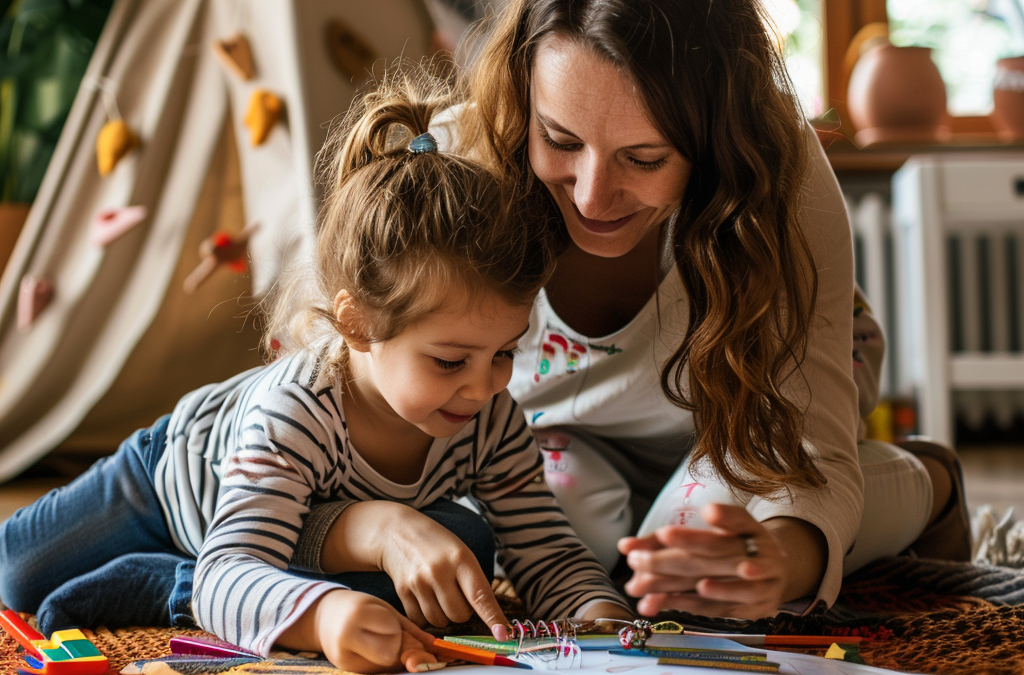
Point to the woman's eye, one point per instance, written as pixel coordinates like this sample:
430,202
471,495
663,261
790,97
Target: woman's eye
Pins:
562,147
449,365
649,166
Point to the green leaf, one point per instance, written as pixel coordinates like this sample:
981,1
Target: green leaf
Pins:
29,7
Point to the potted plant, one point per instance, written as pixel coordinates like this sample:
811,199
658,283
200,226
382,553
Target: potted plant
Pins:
45,46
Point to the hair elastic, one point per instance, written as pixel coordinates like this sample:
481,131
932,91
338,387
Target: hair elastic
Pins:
422,144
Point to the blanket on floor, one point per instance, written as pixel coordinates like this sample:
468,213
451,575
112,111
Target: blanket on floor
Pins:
923,616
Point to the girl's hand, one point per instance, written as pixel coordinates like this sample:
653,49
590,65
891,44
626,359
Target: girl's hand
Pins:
709,571
437,577
363,634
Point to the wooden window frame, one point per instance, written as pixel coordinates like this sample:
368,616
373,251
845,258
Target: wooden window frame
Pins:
842,19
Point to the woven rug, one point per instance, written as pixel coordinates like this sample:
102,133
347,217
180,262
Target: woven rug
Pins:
923,616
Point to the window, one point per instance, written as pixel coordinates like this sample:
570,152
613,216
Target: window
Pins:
946,26
965,45
805,56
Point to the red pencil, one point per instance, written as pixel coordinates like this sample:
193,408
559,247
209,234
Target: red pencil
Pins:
473,655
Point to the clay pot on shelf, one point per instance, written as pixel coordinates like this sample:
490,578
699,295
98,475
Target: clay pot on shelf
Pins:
896,95
1008,99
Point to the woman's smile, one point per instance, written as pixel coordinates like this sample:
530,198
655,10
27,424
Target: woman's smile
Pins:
602,226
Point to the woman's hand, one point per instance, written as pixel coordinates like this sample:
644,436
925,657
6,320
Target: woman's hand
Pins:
360,633
713,572
437,577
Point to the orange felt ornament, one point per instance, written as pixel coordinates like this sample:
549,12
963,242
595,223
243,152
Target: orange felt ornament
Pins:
114,141
235,54
263,113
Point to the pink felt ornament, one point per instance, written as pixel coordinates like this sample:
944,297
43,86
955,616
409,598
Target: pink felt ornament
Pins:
34,294
109,224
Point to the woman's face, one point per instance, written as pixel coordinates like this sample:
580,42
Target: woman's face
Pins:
613,175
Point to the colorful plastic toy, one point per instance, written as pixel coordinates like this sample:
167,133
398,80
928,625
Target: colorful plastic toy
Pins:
67,652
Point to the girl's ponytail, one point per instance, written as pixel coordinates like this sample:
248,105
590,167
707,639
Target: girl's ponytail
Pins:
382,122
403,228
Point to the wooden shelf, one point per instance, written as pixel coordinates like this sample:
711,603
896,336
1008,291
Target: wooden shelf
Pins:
847,158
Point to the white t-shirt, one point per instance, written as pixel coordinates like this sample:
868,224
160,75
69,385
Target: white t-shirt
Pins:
610,386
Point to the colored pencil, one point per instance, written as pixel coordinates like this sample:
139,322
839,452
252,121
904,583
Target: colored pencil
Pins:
751,640
473,655
711,654
759,666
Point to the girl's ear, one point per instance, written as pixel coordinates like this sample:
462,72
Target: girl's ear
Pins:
351,322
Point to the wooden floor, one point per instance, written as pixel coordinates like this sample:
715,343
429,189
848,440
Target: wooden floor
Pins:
992,475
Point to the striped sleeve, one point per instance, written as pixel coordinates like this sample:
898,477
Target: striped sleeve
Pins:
242,591
551,569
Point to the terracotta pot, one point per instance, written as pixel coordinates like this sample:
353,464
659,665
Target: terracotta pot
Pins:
1008,98
896,95
12,218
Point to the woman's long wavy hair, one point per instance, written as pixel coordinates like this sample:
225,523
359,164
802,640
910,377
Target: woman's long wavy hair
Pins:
713,81
404,232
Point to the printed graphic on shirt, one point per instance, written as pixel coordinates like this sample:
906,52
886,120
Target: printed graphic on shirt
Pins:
562,355
556,468
684,512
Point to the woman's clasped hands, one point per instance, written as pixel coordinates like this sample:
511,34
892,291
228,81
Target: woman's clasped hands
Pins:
735,568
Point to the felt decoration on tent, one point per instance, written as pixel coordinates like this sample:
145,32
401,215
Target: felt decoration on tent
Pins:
220,249
34,294
351,54
263,113
236,56
114,141
109,224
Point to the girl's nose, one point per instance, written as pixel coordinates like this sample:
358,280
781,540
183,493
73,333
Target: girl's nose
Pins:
479,387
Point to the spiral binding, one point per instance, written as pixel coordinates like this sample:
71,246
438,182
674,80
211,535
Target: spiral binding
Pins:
632,635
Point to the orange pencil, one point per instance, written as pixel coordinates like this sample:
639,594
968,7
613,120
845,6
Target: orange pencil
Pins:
473,655
751,640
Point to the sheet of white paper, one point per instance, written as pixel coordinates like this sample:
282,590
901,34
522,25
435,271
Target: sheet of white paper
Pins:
606,663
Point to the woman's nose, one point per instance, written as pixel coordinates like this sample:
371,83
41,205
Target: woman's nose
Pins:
594,188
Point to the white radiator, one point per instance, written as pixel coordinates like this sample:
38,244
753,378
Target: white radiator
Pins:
984,264
958,236
870,216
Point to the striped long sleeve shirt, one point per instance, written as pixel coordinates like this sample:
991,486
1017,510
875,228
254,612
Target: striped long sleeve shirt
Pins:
246,458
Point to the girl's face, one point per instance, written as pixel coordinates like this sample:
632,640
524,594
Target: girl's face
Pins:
441,370
613,175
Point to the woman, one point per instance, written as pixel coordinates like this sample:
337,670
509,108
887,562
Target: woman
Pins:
694,345
699,319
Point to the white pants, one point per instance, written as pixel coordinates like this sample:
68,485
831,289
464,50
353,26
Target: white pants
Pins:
600,502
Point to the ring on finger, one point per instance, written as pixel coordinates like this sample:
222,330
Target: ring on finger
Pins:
750,547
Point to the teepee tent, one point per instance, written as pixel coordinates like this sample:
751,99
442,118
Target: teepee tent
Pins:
97,335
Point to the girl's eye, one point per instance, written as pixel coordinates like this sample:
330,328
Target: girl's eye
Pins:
449,365
648,166
561,147
506,354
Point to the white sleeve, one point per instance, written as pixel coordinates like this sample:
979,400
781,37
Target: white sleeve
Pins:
824,384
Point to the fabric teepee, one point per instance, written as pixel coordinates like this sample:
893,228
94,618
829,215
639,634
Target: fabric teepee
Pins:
108,339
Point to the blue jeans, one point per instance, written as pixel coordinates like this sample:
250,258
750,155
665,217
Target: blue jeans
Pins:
98,551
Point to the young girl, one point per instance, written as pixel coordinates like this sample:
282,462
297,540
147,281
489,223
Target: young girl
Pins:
391,386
